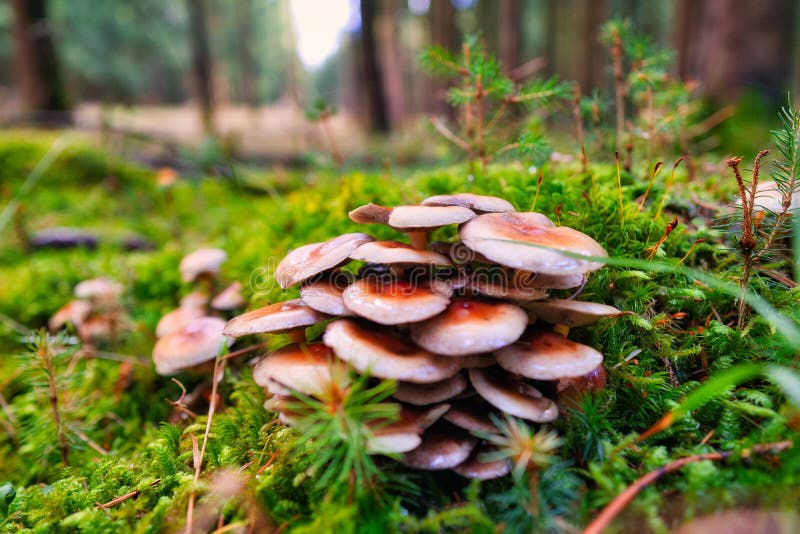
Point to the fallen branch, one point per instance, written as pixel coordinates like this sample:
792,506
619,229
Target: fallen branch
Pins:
612,509
122,498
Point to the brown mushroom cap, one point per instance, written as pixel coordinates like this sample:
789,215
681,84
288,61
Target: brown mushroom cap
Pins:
492,234
195,299
325,296
229,298
473,467
571,312
424,394
274,319
440,449
203,260
404,434
545,355
477,203
394,252
530,279
97,327
370,214
309,369
177,319
427,217
594,380
370,349
198,342
471,415
471,327
74,311
393,301
98,289
306,261
512,396
503,287
458,253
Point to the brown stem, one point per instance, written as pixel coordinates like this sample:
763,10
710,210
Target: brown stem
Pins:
655,172
612,509
418,240
122,498
669,185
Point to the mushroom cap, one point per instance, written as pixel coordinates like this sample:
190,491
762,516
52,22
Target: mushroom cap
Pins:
545,355
306,261
203,260
440,449
229,298
594,380
512,396
97,327
98,289
473,467
326,296
370,214
471,415
393,301
571,312
498,285
427,217
373,350
177,319
471,327
492,234
309,369
74,311
404,434
424,394
197,342
195,299
274,319
458,253
530,279
477,203
394,252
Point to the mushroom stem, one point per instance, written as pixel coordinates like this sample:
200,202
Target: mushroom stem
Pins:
561,329
418,240
297,335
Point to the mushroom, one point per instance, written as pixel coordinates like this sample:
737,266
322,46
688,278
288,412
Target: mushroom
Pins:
326,295
471,327
568,313
475,467
304,262
424,394
478,360
195,299
477,203
546,355
530,279
74,312
367,348
229,298
529,241
177,319
512,396
497,285
416,221
309,369
288,317
440,449
98,290
404,434
394,252
393,302
471,415
198,342
202,263
594,380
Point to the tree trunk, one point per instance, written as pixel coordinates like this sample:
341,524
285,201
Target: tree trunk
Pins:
373,81
730,45
509,43
594,56
390,58
40,82
443,32
201,62
248,90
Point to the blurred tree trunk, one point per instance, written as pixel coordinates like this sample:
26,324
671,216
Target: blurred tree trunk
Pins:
730,45
377,116
442,31
509,41
248,90
40,82
592,74
201,62
393,75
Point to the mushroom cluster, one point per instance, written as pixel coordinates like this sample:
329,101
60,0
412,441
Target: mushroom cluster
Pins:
191,334
96,312
452,323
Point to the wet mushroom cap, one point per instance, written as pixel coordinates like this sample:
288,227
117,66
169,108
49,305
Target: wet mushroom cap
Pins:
474,468
309,369
74,311
325,296
424,394
477,203
571,312
304,262
512,397
370,214
394,252
594,380
392,301
530,279
427,217
503,287
440,449
195,299
203,260
177,319
383,355
198,342
471,327
529,241
274,319
404,434
545,355
471,415
98,288
229,298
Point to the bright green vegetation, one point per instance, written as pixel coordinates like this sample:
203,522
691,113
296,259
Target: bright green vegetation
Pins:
680,325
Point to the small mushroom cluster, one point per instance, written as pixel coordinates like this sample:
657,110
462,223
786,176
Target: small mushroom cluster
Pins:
96,312
191,334
452,323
